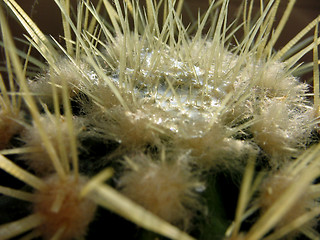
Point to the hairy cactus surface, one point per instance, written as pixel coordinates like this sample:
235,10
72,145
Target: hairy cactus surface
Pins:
136,119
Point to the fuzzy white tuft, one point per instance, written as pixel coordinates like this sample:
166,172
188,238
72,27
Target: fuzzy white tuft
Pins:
168,189
64,213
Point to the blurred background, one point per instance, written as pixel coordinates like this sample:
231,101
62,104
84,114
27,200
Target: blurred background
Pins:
47,16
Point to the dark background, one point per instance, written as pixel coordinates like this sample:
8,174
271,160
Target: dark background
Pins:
47,16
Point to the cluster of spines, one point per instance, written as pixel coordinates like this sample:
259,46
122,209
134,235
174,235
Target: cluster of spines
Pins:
132,96
62,202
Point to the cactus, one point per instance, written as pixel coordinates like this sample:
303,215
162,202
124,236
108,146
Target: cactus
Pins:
181,131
